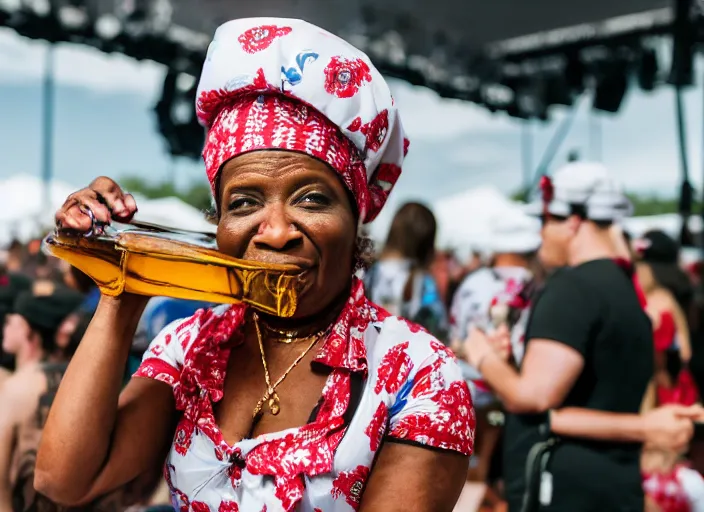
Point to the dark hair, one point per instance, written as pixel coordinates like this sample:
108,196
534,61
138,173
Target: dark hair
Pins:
580,210
84,319
16,247
676,280
412,233
84,283
662,256
47,337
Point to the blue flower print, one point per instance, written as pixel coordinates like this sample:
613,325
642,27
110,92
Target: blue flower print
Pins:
294,74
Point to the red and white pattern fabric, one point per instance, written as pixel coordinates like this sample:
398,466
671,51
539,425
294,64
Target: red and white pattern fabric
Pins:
412,392
272,83
679,490
472,305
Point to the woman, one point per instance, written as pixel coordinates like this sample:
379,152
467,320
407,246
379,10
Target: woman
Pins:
669,295
361,410
401,280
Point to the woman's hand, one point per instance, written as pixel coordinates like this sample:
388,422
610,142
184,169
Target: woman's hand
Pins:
500,340
107,202
480,344
477,347
104,198
670,427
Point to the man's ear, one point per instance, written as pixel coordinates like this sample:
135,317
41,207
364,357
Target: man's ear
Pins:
573,223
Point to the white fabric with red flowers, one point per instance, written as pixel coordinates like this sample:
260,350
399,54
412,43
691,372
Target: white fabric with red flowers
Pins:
484,290
412,391
286,84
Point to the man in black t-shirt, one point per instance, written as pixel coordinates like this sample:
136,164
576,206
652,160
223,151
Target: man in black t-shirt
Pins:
588,348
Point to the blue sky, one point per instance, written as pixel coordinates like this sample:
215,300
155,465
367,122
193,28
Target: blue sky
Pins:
105,125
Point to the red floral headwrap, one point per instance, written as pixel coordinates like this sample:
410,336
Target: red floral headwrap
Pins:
271,83
265,121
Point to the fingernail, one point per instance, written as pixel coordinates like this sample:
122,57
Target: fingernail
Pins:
120,206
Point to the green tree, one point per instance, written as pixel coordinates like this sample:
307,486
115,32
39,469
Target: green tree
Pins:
197,194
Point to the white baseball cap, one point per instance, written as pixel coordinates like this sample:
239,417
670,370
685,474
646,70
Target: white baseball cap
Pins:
512,231
586,185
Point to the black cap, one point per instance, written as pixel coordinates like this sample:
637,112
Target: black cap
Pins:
11,285
46,312
657,247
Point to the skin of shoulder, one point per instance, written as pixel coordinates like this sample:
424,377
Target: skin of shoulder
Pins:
4,375
20,393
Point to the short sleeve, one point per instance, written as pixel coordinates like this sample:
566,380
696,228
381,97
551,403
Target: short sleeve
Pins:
164,358
567,311
434,407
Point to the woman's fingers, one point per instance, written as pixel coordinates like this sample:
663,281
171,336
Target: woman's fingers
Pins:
130,206
101,202
81,210
121,206
74,219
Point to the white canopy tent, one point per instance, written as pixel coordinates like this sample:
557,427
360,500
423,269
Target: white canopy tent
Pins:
464,218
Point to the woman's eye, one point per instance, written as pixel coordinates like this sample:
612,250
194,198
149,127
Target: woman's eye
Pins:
241,202
314,198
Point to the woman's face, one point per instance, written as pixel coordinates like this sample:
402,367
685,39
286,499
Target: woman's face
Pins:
645,276
287,208
17,333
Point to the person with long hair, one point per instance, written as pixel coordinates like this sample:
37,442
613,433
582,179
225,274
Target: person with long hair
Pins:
341,407
401,280
669,295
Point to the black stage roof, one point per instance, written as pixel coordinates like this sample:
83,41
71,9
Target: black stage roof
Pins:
518,56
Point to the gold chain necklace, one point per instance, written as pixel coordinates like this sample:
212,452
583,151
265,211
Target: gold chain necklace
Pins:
271,397
289,337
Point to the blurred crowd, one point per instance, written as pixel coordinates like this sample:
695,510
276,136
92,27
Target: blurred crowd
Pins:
47,305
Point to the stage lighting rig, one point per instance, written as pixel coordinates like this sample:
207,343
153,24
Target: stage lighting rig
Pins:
176,119
611,87
37,20
648,69
142,18
76,19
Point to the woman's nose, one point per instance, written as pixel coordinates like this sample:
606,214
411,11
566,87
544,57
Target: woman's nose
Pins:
277,232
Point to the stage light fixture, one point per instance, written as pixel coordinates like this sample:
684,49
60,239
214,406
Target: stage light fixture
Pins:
611,87
574,72
648,69
41,8
108,27
556,90
176,119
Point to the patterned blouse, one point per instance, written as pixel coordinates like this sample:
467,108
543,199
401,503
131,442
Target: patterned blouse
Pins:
389,381
472,305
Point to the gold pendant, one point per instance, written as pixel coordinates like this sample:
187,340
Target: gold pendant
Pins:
274,406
